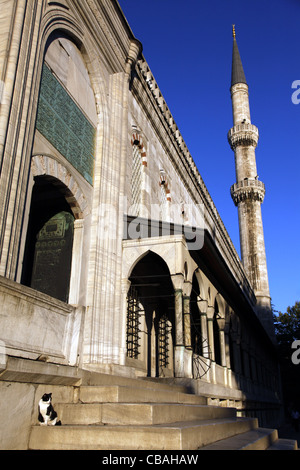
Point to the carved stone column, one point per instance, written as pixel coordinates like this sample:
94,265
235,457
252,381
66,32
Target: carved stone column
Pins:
179,333
187,315
74,293
210,330
202,306
221,325
188,353
125,286
183,350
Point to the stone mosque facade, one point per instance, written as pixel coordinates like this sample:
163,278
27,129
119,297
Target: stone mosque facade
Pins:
113,257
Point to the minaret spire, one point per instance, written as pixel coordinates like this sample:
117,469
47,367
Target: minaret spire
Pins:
237,74
248,193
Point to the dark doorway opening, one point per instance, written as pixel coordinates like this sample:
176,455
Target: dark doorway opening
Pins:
152,293
49,242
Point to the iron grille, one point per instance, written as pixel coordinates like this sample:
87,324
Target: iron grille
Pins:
201,350
164,330
134,312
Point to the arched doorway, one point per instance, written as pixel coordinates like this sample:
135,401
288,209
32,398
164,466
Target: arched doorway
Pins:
150,316
49,243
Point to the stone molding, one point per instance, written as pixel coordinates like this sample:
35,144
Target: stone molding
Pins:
42,165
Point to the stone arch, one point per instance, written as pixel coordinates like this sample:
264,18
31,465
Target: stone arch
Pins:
201,284
146,251
219,301
171,252
49,247
150,319
136,261
42,165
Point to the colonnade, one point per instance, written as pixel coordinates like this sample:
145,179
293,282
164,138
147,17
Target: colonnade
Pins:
233,356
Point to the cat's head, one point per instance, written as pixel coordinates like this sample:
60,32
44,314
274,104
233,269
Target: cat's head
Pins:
47,397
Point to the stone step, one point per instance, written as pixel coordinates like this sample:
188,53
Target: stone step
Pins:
257,439
284,444
137,413
176,436
93,378
121,394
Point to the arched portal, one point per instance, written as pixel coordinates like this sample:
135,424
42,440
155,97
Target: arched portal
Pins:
49,243
150,316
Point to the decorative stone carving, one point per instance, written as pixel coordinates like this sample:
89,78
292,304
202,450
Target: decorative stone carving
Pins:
248,189
243,134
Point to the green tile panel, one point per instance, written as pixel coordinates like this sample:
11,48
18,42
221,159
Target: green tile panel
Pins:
64,125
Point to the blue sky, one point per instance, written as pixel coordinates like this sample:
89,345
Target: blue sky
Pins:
188,47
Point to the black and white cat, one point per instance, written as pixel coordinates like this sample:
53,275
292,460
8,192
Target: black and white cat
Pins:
47,414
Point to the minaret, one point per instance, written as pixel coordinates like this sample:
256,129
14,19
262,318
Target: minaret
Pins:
248,192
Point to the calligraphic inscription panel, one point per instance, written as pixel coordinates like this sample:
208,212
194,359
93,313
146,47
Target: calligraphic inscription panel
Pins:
64,125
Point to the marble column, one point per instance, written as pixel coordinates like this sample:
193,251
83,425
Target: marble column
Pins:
125,286
210,330
74,291
178,281
202,307
188,353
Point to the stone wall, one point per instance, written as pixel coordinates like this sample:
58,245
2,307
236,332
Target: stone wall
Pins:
34,325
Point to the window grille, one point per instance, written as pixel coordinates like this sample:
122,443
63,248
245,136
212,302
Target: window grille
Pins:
164,330
134,312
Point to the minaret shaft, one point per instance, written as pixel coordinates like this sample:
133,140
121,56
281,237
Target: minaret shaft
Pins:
248,192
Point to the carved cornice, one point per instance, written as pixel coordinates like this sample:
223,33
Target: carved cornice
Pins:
249,188
243,134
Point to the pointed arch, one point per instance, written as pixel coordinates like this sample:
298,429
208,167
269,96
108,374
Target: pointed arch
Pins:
150,329
43,165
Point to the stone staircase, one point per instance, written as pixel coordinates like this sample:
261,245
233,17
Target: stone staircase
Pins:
115,413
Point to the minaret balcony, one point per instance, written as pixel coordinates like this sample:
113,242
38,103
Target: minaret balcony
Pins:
249,188
243,134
